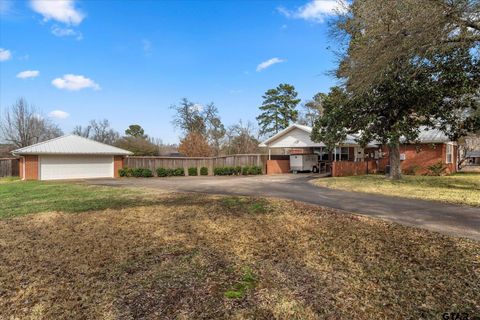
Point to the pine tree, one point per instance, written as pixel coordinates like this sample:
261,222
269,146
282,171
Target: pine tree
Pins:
279,109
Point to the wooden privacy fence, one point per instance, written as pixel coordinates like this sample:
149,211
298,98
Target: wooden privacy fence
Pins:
8,167
241,160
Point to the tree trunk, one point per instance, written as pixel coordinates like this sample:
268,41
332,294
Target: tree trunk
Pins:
395,169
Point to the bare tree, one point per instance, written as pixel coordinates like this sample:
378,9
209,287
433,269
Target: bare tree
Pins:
242,138
22,125
311,110
99,131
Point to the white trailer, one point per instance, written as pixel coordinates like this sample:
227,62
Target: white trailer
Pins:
303,162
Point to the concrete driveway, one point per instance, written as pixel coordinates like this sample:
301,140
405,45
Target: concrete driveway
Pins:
453,220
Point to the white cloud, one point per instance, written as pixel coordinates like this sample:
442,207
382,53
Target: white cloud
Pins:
269,63
315,11
28,74
66,32
59,10
74,82
59,114
5,54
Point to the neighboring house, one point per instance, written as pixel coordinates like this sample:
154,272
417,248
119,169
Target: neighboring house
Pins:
69,157
473,158
349,158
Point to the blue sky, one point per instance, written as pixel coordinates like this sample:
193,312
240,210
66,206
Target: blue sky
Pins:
129,61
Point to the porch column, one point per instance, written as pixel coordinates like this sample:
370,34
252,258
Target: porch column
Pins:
269,154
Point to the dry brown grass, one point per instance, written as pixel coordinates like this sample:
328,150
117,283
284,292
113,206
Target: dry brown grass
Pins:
178,258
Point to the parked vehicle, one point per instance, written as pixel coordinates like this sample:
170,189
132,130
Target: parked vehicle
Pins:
303,163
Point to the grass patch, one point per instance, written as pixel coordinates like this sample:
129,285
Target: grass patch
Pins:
246,205
458,189
9,179
174,256
240,288
25,197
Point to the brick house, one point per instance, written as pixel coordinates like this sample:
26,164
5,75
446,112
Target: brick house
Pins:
349,158
69,157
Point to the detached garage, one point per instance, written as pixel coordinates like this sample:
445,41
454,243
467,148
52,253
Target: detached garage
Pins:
70,157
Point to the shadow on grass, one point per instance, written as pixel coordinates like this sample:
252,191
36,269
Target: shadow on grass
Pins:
21,198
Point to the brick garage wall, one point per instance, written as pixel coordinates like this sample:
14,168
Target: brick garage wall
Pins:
278,166
31,168
118,163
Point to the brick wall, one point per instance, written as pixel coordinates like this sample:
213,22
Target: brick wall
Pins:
118,163
31,168
419,157
278,166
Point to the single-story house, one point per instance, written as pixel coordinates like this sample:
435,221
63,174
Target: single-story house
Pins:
349,158
473,158
69,157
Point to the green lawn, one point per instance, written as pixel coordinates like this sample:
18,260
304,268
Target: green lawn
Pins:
460,188
25,197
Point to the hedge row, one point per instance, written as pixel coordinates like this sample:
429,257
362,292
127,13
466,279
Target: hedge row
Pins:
166,172
193,171
137,172
229,171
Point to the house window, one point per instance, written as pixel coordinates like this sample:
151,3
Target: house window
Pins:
449,153
322,153
341,153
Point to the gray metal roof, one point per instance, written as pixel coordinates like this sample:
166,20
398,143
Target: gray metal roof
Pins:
473,154
71,144
429,135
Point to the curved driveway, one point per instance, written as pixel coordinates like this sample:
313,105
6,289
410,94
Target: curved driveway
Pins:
449,219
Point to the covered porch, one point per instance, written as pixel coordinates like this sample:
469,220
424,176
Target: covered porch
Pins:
295,140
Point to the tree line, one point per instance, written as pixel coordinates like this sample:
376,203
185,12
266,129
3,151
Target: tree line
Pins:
202,130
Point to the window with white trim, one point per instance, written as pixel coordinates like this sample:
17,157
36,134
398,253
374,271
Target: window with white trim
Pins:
449,153
341,153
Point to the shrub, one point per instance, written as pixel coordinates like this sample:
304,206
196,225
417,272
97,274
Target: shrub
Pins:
125,172
204,171
193,171
437,169
137,172
218,171
412,170
227,171
147,173
162,172
179,172
255,170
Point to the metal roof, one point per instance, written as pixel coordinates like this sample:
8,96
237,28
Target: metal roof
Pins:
71,144
426,135
432,135
473,154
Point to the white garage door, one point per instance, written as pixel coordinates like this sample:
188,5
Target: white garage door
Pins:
75,167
